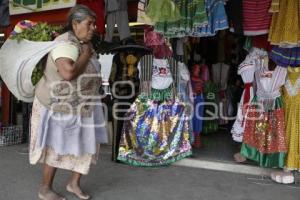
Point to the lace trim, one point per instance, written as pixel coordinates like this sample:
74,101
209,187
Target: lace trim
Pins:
292,90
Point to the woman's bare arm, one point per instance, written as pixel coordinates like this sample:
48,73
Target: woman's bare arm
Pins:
69,69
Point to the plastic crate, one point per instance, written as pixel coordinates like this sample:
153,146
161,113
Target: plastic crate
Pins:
11,135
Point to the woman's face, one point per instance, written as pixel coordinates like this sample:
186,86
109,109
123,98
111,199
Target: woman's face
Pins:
84,30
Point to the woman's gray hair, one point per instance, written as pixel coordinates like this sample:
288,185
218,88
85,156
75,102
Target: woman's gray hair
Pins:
78,13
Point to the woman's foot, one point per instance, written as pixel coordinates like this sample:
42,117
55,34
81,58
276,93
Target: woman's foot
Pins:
239,158
45,193
75,189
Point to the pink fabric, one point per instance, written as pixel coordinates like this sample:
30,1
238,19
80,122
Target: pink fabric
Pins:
156,41
152,38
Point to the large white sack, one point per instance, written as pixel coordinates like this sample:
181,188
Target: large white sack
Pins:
17,62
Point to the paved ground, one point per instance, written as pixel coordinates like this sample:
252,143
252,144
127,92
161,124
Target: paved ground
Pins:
111,181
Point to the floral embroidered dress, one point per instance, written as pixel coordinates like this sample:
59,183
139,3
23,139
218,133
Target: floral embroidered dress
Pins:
157,129
264,134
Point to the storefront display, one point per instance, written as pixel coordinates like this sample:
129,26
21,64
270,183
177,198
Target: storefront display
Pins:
199,56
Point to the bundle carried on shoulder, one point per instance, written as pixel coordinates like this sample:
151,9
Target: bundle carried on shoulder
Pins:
21,57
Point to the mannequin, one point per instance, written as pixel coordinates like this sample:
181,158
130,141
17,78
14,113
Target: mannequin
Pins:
291,94
156,130
264,134
246,69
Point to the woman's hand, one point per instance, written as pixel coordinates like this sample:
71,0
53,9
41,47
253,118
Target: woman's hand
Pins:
69,69
86,49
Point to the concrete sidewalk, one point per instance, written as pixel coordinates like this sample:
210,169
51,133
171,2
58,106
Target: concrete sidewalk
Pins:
112,181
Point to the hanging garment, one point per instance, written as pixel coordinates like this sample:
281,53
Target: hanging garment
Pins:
211,115
116,13
162,11
291,94
197,86
193,14
285,26
96,6
256,17
264,135
198,78
274,6
156,131
261,42
285,57
246,69
220,72
141,15
234,10
4,13
185,91
217,19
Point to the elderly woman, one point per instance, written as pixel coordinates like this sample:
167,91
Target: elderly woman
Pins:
67,123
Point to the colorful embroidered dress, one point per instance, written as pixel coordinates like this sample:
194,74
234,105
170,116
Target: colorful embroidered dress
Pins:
264,135
246,69
291,96
217,19
193,14
156,131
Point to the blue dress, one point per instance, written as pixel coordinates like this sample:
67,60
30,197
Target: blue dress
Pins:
217,19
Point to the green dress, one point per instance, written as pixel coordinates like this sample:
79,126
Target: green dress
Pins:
193,14
163,11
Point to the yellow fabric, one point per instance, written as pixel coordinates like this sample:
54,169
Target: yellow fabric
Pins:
274,6
65,51
285,26
292,117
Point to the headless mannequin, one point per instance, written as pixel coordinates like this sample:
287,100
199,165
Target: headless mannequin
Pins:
237,156
285,176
